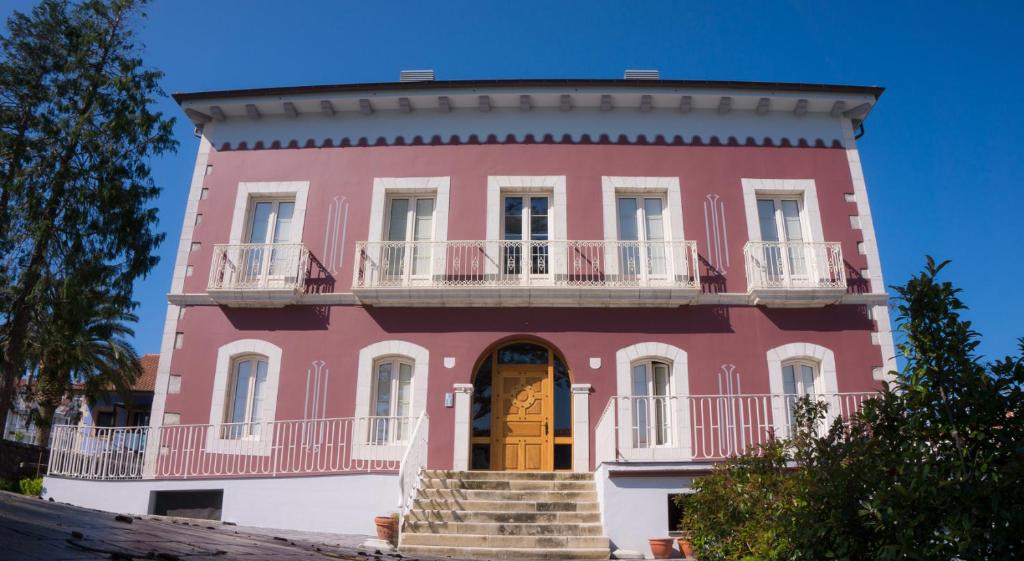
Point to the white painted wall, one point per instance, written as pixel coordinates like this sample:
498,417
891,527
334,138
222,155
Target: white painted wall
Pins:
334,503
635,509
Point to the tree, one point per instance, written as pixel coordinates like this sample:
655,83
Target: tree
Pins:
82,338
931,469
76,130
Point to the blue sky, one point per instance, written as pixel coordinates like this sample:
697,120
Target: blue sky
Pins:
941,154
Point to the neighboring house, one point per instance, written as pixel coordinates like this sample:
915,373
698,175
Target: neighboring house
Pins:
416,290
21,420
115,410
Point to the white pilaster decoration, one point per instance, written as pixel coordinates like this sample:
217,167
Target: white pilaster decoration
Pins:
383,187
826,360
581,427
612,187
163,370
221,378
867,227
250,189
463,409
680,386
803,187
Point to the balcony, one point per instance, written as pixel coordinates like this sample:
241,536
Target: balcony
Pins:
795,274
703,427
526,273
258,275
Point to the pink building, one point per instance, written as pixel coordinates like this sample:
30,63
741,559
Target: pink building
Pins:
388,297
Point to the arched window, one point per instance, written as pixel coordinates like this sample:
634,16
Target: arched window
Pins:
391,406
799,379
651,393
796,370
243,408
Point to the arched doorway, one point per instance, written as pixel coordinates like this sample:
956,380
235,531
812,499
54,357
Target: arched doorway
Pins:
522,409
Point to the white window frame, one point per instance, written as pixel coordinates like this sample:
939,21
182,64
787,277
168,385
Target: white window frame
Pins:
498,186
258,445
802,189
271,221
826,383
387,188
652,401
393,436
261,191
409,254
526,258
229,395
780,219
614,187
369,357
679,382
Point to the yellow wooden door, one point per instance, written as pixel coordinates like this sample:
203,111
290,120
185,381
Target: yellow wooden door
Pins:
523,407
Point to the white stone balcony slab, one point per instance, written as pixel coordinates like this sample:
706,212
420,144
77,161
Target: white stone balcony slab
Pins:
594,273
795,274
258,275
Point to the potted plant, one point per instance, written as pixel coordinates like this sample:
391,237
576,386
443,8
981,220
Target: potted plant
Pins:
387,527
661,548
685,545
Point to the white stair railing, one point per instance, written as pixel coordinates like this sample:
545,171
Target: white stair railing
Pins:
413,463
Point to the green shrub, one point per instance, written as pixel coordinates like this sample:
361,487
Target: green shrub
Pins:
9,485
32,487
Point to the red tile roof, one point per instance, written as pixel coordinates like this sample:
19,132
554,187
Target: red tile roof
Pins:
147,381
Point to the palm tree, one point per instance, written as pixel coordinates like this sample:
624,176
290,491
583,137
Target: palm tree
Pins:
80,338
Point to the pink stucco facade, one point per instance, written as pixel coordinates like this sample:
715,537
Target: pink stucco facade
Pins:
712,335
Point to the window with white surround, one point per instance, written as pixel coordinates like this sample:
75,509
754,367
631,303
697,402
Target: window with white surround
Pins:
269,222
781,219
796,370
651,409
244,403
410,219
641,219
392,400
525,218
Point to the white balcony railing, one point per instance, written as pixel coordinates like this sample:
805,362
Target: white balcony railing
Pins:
505,263
317,446
256,266
794,265
704,427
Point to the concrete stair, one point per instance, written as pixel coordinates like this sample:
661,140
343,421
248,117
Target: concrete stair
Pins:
504,516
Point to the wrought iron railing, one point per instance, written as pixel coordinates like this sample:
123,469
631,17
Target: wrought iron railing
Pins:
704,427
794,265
255,266
508,263
316,446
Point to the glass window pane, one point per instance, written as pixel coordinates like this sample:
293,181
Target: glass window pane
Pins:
538,227
660,379
791,215
627,220
808,378
404,389
424,227
397,220
655,223
257,393
640,380
788,380
538,206
383,401
260,224
766,217
283,227
240,393
513,218
523,353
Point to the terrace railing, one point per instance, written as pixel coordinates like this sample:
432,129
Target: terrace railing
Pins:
794,265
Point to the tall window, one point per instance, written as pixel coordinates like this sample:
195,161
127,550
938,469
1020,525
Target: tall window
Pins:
781,220
526,219
410,220
641,235
392,398
650,404
245,397
799,379
269,222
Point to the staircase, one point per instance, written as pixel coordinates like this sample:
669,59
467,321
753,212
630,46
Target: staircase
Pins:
504,515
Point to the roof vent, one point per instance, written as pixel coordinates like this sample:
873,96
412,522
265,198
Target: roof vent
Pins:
416,76
642,75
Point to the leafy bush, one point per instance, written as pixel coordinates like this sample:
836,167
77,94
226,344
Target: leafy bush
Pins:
31,486
9,485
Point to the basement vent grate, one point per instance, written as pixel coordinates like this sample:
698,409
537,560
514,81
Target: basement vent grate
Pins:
642,75
416,76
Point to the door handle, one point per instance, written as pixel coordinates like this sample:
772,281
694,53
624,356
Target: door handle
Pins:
545,428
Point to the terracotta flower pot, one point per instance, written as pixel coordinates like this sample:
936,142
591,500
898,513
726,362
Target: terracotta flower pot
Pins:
685,547
387,526
661,548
